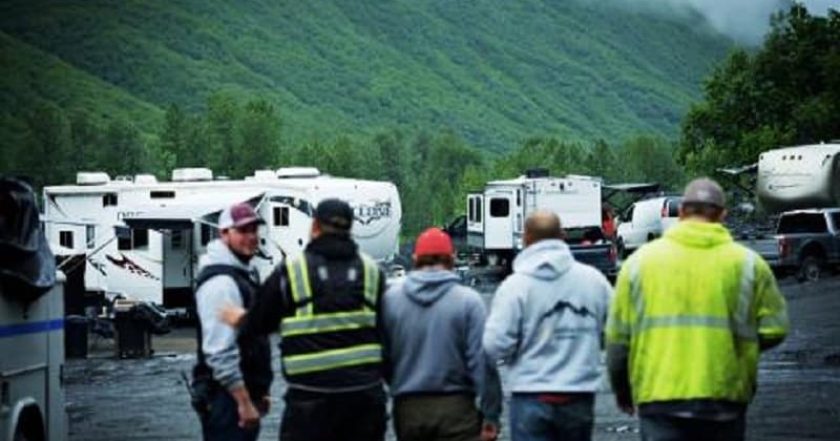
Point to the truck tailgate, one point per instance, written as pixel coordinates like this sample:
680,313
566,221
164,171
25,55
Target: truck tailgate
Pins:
767,248
600,256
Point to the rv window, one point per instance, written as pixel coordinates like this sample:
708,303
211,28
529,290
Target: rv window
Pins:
499,207
65,239
478,208
109,200
281,216
162,194
176,239
472,210
90,236
518,198
139,239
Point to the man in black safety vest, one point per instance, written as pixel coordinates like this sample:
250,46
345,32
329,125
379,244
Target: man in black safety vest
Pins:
326,303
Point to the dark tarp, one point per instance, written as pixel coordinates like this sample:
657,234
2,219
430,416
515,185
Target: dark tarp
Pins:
27,267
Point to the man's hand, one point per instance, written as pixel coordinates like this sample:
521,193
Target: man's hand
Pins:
231,315
489,431
249,417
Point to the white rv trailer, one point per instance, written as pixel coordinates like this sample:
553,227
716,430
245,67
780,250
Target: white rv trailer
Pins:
173,221
799,177
496,215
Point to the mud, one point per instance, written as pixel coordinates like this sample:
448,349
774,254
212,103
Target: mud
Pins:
798,396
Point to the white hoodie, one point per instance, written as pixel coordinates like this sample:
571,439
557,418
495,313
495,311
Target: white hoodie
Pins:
546,321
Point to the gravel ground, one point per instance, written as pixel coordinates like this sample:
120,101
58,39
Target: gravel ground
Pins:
798,396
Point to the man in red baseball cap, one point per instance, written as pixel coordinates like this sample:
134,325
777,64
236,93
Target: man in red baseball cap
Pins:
433,328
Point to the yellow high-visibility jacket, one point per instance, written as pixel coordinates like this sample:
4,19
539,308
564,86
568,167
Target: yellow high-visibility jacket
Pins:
691,308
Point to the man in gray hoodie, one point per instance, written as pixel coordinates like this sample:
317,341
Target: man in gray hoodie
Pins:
433,327
546,323
232,378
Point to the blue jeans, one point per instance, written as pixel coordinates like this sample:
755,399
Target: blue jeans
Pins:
534,420
221,423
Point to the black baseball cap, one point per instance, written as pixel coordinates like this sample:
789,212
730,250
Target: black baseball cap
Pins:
335,213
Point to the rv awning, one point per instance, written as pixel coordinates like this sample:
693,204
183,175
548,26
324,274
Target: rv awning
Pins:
180,217
183,216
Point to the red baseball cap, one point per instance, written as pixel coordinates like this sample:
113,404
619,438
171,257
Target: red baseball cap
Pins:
238,216
433,241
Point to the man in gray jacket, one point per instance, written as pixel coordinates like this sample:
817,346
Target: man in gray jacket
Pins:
232,378
433,327
545,323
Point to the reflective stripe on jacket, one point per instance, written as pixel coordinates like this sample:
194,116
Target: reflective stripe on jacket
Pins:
692,307
303,335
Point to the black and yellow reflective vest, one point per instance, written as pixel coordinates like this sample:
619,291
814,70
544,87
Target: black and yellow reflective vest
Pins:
331,339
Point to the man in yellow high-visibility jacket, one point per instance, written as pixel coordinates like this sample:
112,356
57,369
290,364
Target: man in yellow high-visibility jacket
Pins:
691,313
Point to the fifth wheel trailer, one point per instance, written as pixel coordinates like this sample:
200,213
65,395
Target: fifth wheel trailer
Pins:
799,177
173,221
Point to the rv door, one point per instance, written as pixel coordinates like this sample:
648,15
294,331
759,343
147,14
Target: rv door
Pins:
499,219
177,267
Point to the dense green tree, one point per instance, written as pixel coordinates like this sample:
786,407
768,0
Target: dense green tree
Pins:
259,137
174,138
222,115
787,92
86,141
124,152
44,155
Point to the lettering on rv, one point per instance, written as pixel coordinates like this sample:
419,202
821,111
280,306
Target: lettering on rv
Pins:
127,214
368,213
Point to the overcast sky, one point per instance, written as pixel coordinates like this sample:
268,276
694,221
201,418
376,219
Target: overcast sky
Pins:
744,20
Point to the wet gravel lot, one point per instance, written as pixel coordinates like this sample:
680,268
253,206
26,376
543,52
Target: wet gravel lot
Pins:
798,396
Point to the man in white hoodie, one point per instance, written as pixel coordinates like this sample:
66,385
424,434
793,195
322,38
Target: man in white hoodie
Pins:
545,323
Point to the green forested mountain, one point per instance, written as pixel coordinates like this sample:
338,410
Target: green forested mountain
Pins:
493,72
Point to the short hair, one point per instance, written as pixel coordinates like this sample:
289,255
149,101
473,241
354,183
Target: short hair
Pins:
706,211
543,225
434,259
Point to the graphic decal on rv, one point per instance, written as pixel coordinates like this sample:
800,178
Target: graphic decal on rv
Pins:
99,266
366,214
129,265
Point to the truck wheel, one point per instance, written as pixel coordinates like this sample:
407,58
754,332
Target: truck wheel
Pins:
810,270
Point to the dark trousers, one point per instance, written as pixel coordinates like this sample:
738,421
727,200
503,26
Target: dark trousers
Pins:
353,416
221,422
436,417
532,419
671,428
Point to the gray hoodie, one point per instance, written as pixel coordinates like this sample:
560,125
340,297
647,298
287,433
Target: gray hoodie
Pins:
546,321
433,329
219,339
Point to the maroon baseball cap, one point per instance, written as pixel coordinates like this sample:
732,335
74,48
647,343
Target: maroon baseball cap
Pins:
238,216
